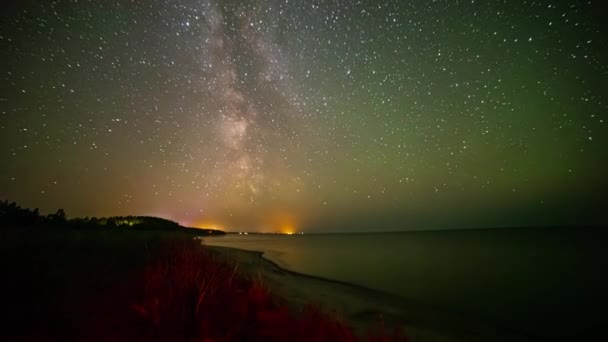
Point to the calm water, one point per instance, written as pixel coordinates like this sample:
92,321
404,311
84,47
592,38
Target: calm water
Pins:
548,282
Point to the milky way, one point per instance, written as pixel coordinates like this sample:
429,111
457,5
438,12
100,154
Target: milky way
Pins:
311,115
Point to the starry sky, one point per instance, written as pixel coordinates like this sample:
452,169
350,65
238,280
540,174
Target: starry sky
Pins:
307,115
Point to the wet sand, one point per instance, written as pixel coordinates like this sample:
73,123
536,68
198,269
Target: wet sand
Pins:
362,308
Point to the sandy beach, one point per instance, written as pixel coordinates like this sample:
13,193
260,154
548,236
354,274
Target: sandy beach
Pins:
362,308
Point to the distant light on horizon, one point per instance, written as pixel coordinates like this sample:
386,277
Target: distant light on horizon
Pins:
205,224
287,229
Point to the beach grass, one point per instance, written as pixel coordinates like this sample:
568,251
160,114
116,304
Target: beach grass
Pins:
128,285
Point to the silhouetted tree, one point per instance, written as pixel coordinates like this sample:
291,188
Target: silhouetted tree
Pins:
57,218
13,215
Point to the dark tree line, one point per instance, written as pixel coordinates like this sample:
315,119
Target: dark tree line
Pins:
13,216
127,222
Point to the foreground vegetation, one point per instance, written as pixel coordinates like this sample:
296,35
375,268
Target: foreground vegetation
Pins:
119,285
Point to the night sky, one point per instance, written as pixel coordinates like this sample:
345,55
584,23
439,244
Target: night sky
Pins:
307,115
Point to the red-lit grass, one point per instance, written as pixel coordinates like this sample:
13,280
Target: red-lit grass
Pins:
133,286
189,294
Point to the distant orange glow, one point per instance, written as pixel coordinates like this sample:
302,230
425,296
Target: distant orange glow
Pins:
287,229
283,223
277,222
206,224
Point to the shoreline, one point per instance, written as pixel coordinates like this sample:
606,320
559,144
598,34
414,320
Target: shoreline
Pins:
364,309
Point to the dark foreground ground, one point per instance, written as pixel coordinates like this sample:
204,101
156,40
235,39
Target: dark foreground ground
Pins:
136,286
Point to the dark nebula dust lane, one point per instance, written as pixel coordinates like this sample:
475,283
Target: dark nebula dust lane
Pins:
307,115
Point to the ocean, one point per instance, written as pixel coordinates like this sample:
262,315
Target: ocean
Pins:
545,282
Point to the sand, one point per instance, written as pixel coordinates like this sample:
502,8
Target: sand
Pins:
362,308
